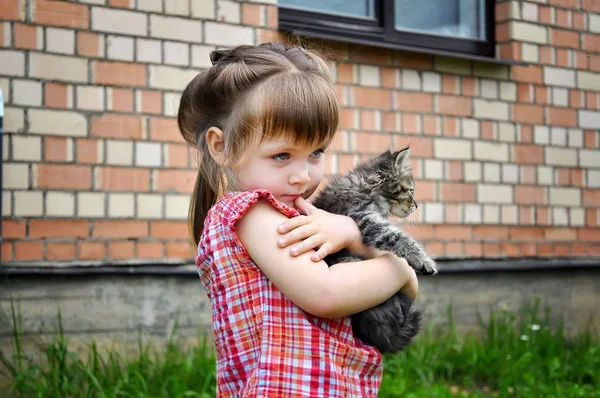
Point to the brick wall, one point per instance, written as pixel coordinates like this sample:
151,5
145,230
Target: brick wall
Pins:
507,157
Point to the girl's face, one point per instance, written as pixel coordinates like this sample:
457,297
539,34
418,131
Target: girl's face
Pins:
285,169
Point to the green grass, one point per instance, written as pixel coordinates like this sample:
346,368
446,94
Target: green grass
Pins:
518,355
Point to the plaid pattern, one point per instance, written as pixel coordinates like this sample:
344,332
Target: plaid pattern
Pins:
266,346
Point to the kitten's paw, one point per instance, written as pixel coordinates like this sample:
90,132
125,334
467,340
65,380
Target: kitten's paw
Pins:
424,265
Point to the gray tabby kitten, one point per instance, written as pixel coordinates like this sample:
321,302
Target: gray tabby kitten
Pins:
369,194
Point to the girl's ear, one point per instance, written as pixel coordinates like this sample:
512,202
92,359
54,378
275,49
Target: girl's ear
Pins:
216,145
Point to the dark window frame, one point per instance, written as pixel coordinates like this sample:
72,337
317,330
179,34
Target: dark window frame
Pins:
380,32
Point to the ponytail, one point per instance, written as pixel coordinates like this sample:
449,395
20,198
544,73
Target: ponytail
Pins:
202,199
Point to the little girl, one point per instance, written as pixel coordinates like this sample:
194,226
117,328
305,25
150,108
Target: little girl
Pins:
261,118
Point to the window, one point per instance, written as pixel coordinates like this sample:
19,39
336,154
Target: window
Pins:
449,27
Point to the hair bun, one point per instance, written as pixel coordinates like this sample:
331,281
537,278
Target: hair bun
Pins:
218,55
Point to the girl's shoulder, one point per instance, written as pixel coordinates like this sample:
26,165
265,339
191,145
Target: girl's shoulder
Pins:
233,205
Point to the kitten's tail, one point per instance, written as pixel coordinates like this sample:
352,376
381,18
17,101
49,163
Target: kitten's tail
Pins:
391,326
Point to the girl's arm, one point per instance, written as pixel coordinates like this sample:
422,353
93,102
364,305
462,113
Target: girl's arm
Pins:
329,292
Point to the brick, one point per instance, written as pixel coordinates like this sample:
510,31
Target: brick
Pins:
62,176
148,101
229,11
252,14
63,123
530,52
176,53
490,151
57,95
89,151
60,204
117,126
469,86
174,180
542,95
28,204
60,41
561,156
15,176
434,169
90,204
413,102
559,77
530,195
58,229
118,73
179,250
449,84
150,250
369,75
527,234
453,105
148,50
60,251
13,63
591,43
528,113
227,35
564,38
589,158
494,193
58,67
176,206
170,78
60,13
27,148
149,206
120,229
122,179
486,109
27,36
175,28
563,117
178,7
27,92
411,80
457,192
119,48
91,250
565,196
147,154
120,99
588,81
90,44
121,205
366,97
591,198
28,251
171,104
119,21
14,120
528,74
119,152
120,250
90,98
164,129
560,96
452,149
528,32
58,149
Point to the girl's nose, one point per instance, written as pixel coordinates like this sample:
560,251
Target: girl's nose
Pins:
300,177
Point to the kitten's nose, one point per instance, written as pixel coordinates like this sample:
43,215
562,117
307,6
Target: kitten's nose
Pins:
416,205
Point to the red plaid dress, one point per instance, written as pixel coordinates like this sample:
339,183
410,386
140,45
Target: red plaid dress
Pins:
266,346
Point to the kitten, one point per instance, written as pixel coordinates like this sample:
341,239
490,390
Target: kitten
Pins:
369,194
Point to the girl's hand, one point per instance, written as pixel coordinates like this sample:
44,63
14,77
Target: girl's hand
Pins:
325,232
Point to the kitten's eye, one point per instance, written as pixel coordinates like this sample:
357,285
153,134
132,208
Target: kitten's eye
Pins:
281,157
412,191
317,153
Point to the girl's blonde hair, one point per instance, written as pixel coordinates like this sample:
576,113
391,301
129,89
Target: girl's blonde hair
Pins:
252,92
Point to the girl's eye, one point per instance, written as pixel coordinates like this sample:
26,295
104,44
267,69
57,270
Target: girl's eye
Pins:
281,157
317,153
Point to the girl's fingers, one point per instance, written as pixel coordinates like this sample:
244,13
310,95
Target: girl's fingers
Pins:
297,234
304,206
323,252
293,223
308,244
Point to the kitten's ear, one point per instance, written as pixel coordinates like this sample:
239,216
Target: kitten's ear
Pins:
402,161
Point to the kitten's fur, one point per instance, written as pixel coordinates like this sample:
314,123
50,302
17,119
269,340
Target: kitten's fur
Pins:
369,194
